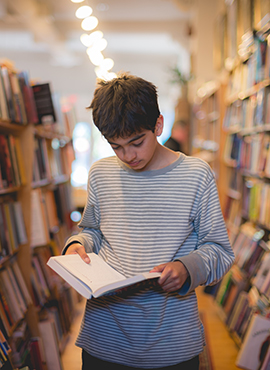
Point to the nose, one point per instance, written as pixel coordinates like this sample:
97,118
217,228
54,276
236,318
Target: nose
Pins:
129,155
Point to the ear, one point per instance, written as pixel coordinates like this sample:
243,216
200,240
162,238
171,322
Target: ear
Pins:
159,125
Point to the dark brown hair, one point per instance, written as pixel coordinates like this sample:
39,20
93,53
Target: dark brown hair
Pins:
124,106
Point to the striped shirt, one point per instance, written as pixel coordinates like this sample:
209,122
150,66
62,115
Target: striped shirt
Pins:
138,220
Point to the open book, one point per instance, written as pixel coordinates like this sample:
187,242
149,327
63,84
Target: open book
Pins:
94,279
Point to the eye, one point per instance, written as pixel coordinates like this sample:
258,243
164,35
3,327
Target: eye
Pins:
115,148
138,144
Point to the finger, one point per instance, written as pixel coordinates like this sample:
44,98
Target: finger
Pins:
165,277
159,268
80,250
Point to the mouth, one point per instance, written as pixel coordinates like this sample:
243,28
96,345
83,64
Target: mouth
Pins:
133,164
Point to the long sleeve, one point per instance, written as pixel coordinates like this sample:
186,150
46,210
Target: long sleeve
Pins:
213,255
90,236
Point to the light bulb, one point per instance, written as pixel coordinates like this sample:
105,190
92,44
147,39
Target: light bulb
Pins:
111,76
100,44
89,23
95,57
107,64
85,40
77,1
83,12
96,35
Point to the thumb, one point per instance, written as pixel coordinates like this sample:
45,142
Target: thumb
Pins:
83,254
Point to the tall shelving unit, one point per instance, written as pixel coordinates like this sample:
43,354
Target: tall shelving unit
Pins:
48,307
207,135
244,293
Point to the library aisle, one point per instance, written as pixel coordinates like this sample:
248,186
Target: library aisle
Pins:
221,347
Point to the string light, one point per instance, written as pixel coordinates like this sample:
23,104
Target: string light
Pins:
94,42
89,23
83,12
107,64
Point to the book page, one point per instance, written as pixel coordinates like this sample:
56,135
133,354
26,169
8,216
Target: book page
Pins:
96,274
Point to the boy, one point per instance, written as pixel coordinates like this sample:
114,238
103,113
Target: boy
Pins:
148,209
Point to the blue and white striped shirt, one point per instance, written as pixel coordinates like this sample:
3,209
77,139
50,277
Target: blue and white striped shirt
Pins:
138,220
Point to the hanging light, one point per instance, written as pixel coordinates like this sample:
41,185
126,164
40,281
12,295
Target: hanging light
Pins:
83,11
104,75
100,44
96,35
107,64
89,23
95,56
85,40
77,1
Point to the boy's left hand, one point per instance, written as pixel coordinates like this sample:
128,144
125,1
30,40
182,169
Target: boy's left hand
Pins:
173,275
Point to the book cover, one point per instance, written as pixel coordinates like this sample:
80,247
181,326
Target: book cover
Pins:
94,279
256,343
44,103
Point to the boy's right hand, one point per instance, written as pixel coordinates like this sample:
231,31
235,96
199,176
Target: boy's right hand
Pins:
77,248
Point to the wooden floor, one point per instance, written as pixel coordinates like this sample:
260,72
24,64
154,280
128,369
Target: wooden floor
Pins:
222,348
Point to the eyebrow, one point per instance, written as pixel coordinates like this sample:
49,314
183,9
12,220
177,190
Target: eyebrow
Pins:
130,141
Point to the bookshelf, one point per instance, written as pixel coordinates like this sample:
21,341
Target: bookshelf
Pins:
208,136
36,154
244,291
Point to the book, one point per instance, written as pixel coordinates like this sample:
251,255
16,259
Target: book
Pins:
94,279
44,103
256,343
50,345
39,229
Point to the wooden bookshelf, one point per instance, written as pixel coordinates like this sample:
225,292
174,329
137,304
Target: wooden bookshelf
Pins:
41,297
245,159
208,137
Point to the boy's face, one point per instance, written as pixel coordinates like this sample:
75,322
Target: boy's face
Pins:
138,151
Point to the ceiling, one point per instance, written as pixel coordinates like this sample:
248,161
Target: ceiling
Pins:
145,37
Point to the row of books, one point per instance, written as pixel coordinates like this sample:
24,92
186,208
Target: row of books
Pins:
14,297
253,112
244,294
4,353
250,153
12,168
17,103
48,292
12,228
50,209
255,203
49,287
254,69
23,103
52,159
